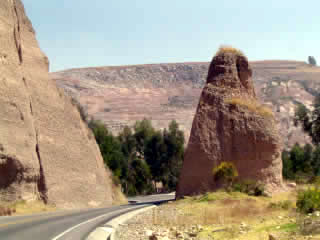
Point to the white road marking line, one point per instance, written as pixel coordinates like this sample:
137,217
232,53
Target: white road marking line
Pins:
107,229
88,221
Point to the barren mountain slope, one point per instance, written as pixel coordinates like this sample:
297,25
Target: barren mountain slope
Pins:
46,151
121,95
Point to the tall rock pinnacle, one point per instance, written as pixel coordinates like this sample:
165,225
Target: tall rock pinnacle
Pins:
230,125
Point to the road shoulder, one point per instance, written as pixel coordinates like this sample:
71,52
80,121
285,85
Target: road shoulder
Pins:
107,231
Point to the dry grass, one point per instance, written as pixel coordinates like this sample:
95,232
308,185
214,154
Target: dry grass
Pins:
229,49
6,211
233,216
230,215
236,208
23,207
252,105
207,210
118,197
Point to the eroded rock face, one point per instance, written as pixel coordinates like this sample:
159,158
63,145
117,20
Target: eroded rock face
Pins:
47,152
230,125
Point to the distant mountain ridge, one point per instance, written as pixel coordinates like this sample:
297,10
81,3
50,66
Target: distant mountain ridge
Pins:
120,95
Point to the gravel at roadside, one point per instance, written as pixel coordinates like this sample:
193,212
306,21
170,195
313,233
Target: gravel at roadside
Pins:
151,225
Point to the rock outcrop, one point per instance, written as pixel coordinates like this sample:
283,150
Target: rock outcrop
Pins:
46,150
231,126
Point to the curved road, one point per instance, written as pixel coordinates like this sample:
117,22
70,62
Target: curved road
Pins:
69,225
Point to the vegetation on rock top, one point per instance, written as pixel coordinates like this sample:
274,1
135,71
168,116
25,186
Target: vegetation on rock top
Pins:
252,105
224,49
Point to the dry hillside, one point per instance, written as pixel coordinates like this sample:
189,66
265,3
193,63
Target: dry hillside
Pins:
121,95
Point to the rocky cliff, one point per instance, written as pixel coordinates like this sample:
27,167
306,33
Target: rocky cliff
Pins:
230,125
46,151
121,95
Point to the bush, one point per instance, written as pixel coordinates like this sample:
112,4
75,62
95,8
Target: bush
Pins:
250,187
225,172
314,180
116,180
308,200
286,205
302,178
301,163
312,61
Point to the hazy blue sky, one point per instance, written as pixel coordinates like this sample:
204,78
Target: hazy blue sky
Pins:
79,33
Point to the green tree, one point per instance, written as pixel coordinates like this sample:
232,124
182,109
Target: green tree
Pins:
174,141
133,147
141,155
141,178
297,158
312,61
310,121
143,131
110,149
299,162
99,130
316,161
287,169
307,158
155,154
128,142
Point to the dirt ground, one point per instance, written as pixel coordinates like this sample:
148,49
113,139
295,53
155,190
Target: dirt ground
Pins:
222,215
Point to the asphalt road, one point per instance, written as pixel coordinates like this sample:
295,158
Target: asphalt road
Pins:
69,225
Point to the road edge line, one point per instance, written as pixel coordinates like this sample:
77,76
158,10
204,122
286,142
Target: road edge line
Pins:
82,223
108,230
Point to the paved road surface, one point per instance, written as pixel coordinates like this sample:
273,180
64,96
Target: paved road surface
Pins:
68,225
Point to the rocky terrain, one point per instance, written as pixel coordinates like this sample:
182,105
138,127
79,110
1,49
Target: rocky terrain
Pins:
121,95
230,125
224,216
46,151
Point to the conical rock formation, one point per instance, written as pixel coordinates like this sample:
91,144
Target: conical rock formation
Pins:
46,150
231,126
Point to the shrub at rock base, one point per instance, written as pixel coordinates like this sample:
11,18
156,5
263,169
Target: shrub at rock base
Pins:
309,200
225,173
250,187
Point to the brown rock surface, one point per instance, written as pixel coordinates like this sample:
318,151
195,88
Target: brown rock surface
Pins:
46,151
230,125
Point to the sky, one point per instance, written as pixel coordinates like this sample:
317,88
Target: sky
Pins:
86,33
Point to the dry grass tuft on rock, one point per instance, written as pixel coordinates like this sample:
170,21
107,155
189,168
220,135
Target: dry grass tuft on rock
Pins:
251,105
224,49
